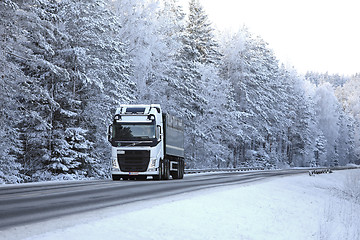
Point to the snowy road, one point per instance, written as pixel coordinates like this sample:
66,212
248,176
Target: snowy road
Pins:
28,203
295,207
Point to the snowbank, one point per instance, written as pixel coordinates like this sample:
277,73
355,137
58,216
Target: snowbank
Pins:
297,207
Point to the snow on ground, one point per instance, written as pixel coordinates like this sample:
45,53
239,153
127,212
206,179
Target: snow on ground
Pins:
297,207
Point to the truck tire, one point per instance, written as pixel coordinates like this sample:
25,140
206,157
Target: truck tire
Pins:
182,169
177,174
166,175
161,171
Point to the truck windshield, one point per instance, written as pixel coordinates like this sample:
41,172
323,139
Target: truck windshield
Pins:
130,132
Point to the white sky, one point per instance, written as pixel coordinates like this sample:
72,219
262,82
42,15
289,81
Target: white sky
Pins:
311,35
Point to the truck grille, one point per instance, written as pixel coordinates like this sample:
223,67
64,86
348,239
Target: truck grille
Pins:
134,160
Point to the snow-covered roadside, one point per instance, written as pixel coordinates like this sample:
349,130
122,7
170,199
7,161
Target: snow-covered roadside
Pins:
296,207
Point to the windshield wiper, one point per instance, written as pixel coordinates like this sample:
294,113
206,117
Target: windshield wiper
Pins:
136,143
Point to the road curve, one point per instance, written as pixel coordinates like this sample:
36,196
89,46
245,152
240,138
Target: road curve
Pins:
29,203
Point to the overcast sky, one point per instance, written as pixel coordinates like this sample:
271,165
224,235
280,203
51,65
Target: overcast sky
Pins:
314,35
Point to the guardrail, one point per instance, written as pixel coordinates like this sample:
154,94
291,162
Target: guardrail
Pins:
192,171
319,171
315,170
345,167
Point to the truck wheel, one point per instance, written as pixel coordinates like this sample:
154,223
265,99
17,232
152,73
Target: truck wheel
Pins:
177,174
166,175
161,171
182,169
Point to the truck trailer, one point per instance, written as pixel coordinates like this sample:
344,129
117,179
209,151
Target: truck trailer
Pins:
146,142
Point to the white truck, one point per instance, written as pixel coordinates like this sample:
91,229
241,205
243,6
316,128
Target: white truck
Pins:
146,142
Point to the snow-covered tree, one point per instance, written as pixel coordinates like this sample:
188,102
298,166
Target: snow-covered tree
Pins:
33,40
320,153
198,68
252,71
99,71
11,79
349,96
319,78
327,110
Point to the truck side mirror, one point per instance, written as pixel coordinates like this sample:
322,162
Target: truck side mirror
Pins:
110,133
158,133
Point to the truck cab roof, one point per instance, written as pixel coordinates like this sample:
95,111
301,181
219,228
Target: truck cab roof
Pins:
138,109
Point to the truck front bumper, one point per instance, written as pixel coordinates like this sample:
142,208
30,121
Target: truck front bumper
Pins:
154,172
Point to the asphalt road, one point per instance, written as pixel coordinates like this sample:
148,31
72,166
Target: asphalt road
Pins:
28,203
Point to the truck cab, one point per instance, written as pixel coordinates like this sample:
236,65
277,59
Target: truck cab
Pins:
146,142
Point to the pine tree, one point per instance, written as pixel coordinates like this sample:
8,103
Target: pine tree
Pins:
35,37
99,71
199,70
299,121
348,95
11,78
320,151
327,110
201,42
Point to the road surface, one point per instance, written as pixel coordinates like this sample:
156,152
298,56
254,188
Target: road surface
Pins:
28,203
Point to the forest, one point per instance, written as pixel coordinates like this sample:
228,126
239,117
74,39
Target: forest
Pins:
65,66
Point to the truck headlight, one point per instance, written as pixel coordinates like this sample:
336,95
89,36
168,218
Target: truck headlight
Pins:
152,164
115,164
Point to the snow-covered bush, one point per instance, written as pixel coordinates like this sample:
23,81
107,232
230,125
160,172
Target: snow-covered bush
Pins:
352,185
341,213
